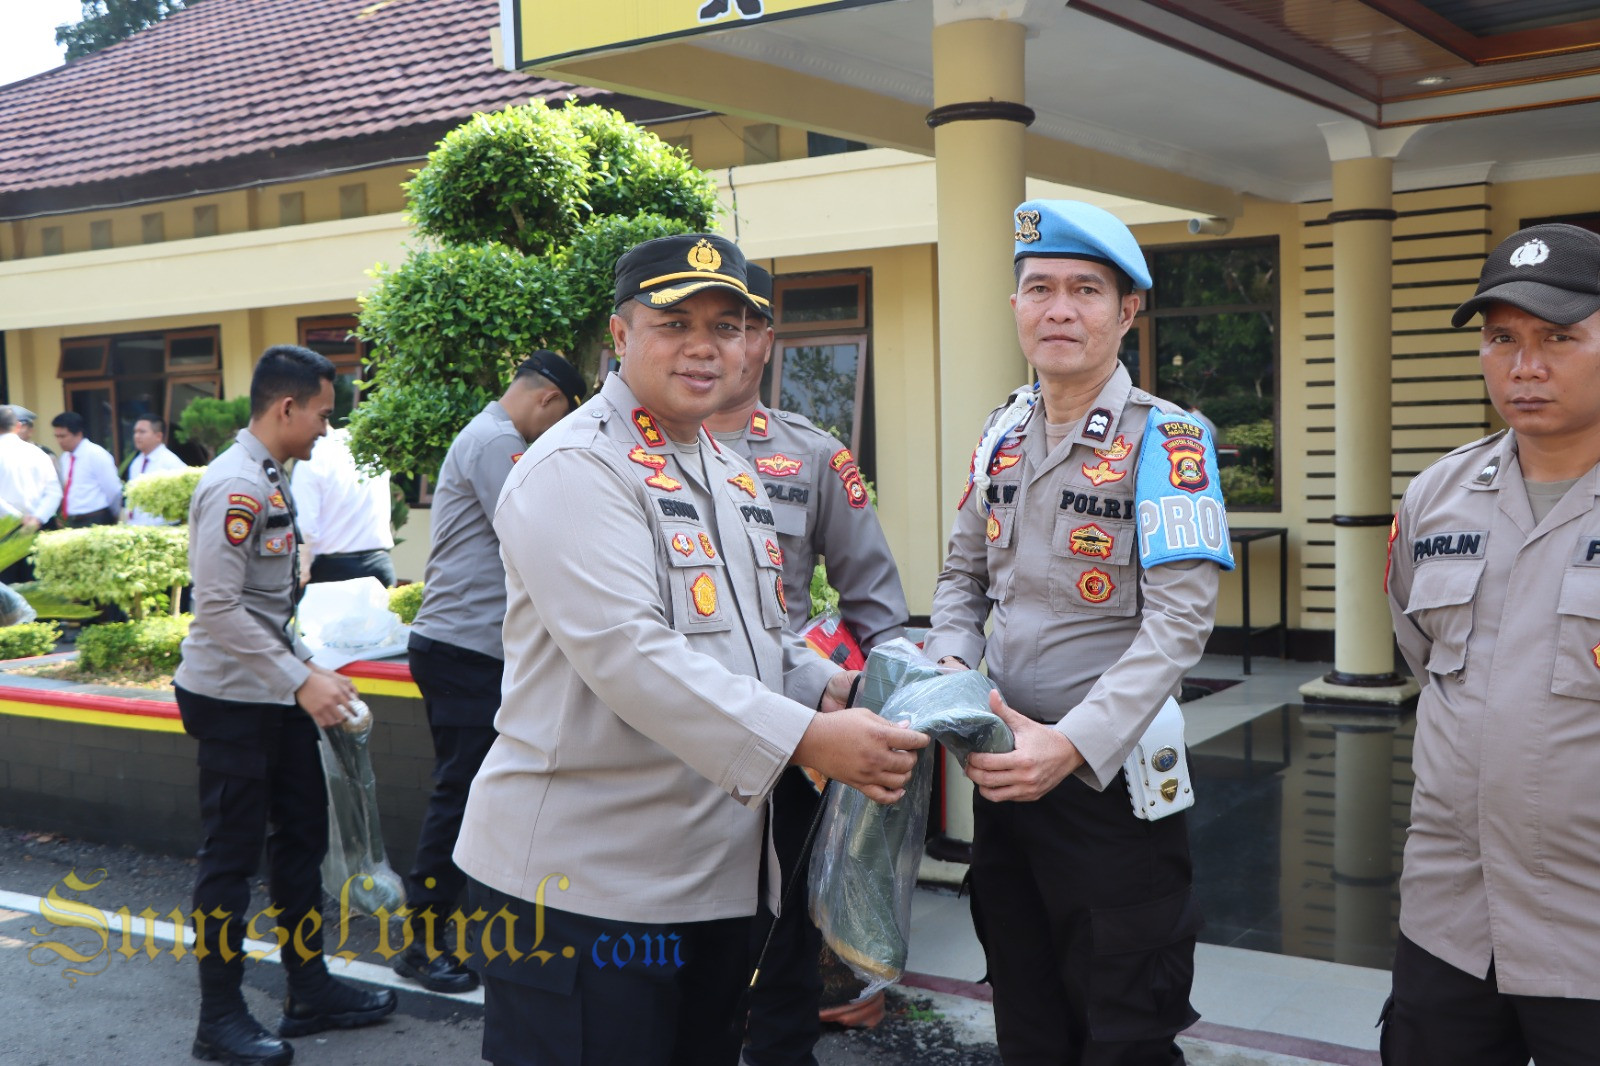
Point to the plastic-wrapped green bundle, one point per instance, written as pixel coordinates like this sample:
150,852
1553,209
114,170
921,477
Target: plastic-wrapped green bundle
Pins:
864,865
355,840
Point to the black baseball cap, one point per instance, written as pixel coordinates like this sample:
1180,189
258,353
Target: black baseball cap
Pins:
760,282
556,370
669,270
1551,271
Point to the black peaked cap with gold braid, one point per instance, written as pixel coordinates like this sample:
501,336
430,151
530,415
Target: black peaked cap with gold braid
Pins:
669,270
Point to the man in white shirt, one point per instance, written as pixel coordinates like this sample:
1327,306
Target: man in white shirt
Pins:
153,457
344,515
28,486
91,491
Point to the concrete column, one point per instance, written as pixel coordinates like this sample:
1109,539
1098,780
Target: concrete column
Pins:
979,122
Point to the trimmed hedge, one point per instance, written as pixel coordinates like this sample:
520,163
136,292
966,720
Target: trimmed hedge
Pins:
406,600
28,639
150,644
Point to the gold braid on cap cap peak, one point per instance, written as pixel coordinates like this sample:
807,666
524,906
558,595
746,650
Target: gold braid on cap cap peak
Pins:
698,275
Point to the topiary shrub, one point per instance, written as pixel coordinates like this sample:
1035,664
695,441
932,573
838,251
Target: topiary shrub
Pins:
211,425
167,495
149,645
28,639
406,601
136,568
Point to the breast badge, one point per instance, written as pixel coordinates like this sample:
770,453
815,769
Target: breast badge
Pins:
706,546
779,465
704,591
777,585
682,544
658,463
1595,651
280,545
745,482
276,499
1003,460
774,553
237,523
1095,586
1116,451
992,529
1103,473
1090,540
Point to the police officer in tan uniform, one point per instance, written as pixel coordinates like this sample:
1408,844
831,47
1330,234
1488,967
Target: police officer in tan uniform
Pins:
820,507
1494,583
247,694
651,700
1084,910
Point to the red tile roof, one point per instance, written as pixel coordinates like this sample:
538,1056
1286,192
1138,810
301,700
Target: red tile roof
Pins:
227,79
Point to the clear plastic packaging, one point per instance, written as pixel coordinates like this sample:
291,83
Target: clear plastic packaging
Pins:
864,863
14,610
355,839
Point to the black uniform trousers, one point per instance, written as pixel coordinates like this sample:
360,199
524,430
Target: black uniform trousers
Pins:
1438,1015
605,993
783,1027
461,693
342,566
261,784
1088,925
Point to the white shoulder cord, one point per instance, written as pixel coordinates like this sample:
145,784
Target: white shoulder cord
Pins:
1012,417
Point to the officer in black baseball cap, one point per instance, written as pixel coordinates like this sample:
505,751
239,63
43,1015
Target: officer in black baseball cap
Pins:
668,270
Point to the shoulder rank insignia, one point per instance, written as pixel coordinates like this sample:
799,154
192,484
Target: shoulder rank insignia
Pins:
658,463
855,488
706,546
237,523
1116,451
682,544
779,465
841,459
1103,473
1098,424
1095,586
774,553
645,422
239,499
276,499
777,585
745,482
704,591
758,424
1090,540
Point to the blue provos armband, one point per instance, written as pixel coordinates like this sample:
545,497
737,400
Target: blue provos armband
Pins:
1181,514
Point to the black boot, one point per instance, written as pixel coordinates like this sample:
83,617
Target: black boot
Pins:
712,9
750,8
227,1033
443,974
317,1000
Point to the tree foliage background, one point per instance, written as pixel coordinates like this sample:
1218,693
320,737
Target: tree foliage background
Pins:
105,22
520,216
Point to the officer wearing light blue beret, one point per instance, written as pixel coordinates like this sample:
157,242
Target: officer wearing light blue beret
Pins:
1082,568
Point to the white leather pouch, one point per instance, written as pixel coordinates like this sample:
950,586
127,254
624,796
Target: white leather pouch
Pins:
1158,767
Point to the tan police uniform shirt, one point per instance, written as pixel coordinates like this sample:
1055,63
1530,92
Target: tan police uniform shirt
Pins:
642,726
1083,636
242,541
1499,618
820,506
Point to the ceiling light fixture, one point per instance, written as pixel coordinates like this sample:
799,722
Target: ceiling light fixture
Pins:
1433,79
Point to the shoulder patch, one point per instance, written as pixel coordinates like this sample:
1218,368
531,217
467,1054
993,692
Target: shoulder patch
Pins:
239,499
841,459
237,523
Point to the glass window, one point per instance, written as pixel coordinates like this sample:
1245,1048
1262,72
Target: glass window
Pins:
100,234
821,379
205,220
115,381
335,337
94,403
192,351
819,365
83,358
139,355
1212,347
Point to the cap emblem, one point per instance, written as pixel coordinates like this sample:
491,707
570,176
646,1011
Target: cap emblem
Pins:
1027,227
1532,253
704,257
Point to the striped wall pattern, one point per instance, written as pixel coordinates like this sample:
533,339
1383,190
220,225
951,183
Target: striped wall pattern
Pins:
1440,239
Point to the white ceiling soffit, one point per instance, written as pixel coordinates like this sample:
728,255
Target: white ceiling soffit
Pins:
1097,85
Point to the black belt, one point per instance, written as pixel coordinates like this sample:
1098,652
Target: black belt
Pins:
349,555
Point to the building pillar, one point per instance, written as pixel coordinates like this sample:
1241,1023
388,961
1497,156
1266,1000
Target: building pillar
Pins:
1362,224
979,122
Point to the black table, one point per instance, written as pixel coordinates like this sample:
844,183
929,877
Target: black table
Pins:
1244,536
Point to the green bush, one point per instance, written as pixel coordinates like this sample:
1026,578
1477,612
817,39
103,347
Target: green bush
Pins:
133,567
406,600
27,639
166,495
210,425
15,542
149,645
823,595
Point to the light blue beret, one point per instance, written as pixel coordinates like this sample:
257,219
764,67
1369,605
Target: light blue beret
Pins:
1072,229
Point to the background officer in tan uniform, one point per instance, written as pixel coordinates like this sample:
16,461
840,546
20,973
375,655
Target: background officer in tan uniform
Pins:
455,652
1084,911
1494,584
620,810
249,697
820,507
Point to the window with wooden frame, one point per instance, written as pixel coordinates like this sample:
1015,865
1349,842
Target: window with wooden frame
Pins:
819,366
335,337
114,381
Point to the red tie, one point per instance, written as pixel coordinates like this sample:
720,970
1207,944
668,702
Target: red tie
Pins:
144,465
66,492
